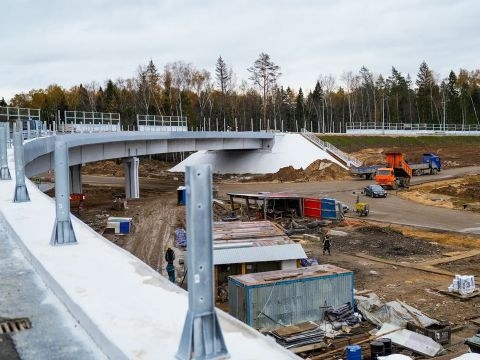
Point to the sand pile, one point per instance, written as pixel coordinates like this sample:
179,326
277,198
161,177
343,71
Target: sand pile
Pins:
371,156
317,171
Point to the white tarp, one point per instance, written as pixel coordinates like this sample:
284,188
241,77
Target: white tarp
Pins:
411,340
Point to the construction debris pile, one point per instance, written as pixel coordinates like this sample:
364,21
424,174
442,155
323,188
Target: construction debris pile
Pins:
376,327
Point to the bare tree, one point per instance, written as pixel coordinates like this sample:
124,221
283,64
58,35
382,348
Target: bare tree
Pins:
264,75
181,79
203,89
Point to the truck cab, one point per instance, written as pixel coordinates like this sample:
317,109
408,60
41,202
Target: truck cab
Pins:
396,174
433,160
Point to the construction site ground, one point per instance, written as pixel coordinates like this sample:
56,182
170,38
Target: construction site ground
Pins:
404,250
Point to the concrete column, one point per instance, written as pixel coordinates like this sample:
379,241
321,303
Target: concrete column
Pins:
63,233
76,179
21,193
4,171
132,185
202,336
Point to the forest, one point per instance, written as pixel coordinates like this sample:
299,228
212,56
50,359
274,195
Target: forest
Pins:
181,89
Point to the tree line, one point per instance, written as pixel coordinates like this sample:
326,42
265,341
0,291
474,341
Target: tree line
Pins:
181,89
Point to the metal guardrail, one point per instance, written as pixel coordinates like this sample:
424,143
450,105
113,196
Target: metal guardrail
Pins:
161,123
411,127
8,113
326,146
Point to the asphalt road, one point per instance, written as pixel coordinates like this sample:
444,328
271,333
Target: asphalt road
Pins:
391,209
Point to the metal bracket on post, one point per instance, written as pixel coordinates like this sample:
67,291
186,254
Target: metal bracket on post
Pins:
21,192
63,233
202,336
4,171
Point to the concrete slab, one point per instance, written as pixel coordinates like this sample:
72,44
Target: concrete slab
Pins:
55,334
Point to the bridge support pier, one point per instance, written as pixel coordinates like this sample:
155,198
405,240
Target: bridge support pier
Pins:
4,171
132,185
202,335
76,179
63,233
21,192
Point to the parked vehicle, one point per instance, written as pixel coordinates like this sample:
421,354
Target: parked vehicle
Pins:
344,206
374,191
431,164
397,173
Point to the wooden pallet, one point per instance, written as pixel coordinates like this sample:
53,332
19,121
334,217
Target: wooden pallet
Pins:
460,296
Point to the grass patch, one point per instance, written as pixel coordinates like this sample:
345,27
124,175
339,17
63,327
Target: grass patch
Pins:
356,143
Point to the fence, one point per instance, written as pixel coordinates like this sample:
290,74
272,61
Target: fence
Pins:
161,123
419,128
82,121
8,113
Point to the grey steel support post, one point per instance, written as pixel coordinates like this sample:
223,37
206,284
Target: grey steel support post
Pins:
63,233
4,171
202,336
132,186
21,192
76,179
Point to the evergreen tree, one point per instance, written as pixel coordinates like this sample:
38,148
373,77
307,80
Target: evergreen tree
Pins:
3,102
110,98
223,75
426,89
452,99
300,108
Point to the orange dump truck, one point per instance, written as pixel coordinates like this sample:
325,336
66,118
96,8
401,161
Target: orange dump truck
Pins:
396,174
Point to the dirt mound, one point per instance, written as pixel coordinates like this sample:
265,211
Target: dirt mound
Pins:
148,168
370,156
317,171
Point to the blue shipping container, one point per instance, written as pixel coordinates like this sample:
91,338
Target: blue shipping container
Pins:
261,300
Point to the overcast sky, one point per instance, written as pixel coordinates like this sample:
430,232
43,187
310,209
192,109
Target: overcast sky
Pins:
72,42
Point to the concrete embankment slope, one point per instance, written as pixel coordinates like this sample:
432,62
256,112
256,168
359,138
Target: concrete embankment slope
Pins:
127,308
289,150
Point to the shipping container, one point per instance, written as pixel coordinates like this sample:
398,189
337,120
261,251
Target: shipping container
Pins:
284,297
329,209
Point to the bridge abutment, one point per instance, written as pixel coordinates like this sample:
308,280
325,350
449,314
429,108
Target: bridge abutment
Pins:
132,185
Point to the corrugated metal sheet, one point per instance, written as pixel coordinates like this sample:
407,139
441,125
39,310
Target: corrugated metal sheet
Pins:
258,254
291,301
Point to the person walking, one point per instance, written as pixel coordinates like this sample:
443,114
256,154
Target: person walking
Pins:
169,257
327,244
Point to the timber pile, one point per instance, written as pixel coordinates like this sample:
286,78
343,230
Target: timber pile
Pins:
292,336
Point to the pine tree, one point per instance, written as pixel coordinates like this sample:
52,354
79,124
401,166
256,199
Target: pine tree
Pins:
300,108
452,99
223,75
3,102
425,93
264,74
111,97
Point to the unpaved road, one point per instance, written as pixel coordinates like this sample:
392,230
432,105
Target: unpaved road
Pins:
391,210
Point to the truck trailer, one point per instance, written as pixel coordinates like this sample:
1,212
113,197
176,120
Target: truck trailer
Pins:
431,164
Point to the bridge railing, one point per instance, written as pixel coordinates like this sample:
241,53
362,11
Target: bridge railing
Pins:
161,123
410,127
83,121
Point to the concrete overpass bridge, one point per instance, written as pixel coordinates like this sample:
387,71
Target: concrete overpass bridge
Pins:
127,309
128,145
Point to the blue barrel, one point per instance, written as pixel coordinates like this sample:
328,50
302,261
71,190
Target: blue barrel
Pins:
124,227
354,352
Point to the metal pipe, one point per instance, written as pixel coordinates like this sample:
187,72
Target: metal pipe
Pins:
4,171
21,192
202,336
63,233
